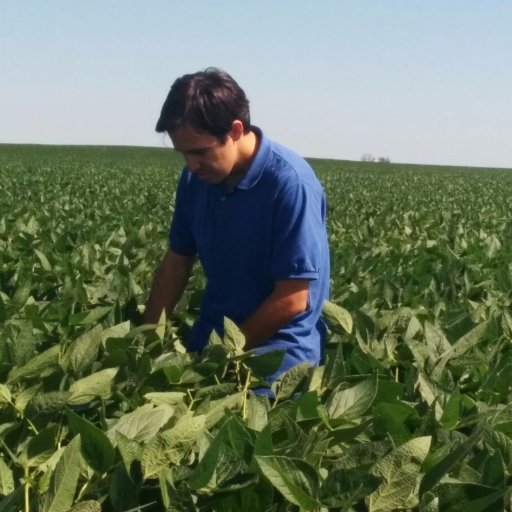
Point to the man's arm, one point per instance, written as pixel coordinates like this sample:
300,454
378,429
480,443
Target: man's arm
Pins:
289,298
168,286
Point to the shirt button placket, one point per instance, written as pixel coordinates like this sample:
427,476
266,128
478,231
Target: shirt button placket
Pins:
223,240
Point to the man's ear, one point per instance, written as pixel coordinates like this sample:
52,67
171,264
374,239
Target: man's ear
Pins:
237,130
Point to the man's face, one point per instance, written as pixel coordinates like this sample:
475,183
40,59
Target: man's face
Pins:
205,155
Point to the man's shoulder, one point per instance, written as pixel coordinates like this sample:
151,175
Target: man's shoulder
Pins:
278,161
288,158
287,166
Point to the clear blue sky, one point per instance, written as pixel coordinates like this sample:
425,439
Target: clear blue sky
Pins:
423,81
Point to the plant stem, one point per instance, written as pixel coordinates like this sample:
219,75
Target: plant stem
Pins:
191,399
32,426
246,387
11,455
238,376
27,489
82,490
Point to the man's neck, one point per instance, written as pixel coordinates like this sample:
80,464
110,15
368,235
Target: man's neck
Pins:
247,149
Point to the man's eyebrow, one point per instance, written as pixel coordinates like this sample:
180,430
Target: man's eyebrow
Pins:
194,150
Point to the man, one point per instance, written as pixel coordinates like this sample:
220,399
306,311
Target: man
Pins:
254,214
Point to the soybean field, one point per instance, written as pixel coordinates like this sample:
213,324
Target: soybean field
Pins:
98,412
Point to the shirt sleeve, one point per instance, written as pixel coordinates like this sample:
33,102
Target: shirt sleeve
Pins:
181,236
299,232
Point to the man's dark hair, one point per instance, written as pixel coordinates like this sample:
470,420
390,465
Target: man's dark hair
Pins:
208,101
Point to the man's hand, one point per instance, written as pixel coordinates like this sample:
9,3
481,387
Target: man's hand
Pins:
168,285
289,298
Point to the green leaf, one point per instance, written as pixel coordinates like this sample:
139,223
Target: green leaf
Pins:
98,384
217,408
166,397
503,443
116,331
343,487
307,406
83,351
14,501
390,420
239,438
451,411
399,491
429,393
447,463
506,323
23,342
413,327
462,497
52,401
436,341
41,447
429,503
173,373
265,364
419,352
89,317
460,347
215,340
171,445
23,398
363,454
157,455
160,328
216,391
6,479
353,402
287,383
258,497
176,498
345,433
64,479
5,395
400,471
143,423
3,315
263,444
130,450
96,448
219,464
335,367
123,494
296,480
87,506
234,339
44,260
493,471
40,366
22,293
256,412
336,316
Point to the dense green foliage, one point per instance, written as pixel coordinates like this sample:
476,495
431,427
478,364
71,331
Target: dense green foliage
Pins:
98,413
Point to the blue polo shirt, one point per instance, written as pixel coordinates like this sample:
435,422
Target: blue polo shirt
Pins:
269,227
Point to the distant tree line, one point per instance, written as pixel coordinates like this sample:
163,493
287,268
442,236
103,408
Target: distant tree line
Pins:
368,157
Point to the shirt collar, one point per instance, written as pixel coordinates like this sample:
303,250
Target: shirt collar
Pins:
253,174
